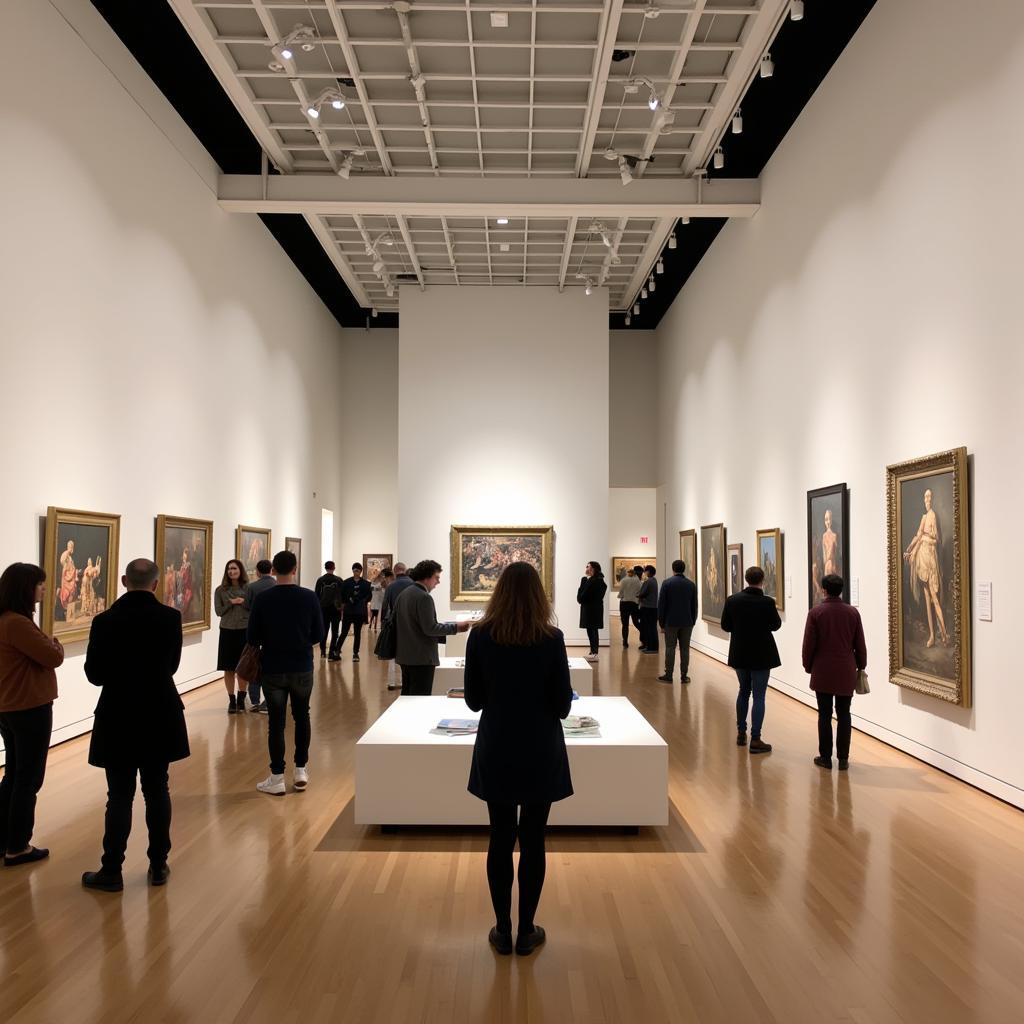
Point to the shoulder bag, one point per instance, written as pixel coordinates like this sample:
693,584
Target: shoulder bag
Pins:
248,667
862,682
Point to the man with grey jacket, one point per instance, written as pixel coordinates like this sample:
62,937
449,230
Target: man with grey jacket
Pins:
418,630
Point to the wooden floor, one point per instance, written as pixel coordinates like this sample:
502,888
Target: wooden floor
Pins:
778,892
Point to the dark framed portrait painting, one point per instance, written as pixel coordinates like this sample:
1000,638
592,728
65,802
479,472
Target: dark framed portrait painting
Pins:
770,560
374,565
714,581
735,559
927,502
828,539
688,553
80,551
294,545
184,554
479,553
621,564
252,544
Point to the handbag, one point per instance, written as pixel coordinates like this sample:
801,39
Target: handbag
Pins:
248,667
862,682
387,640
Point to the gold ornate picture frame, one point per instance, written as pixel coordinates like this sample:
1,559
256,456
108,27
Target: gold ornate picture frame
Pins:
714,573
479,553
928,526
770,559
80,557
184,555
621,564
253,543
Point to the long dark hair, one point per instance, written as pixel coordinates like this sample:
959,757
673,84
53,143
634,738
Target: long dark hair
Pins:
243,576
18,588
519,612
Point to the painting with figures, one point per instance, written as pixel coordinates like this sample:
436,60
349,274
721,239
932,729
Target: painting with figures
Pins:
374,565
294,545
252,544
714,580
80,558
184,554
828,539
621,564
688,553
769,559
479,553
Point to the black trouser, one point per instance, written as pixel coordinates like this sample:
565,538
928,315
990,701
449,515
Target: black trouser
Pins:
505,830
26,736
677,635
356,625
277,690
118,821
649,628
331,619
592,638
629,611
844,726
417,680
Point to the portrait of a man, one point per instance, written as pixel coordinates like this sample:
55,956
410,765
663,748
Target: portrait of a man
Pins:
714,579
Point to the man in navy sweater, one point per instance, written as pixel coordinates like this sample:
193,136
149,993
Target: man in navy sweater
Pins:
677,614
286,624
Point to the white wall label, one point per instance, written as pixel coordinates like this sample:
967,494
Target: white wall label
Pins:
984,602
855,591
789,586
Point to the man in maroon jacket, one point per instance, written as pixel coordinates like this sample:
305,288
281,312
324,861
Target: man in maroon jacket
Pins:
834,651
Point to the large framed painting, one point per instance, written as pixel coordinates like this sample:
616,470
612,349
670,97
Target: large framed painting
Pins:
688,553
714,583
828,539
479,553
771,561
252,544
294,545
621,564
930,576
80,551
184,553
374,565
734,556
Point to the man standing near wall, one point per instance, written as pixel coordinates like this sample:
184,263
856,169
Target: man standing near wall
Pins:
677,615
328,592
264,581
355,603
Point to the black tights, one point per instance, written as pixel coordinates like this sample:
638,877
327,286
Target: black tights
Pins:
530,832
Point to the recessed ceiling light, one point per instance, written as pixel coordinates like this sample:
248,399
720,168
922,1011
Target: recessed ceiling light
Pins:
499,19
503,220
504,247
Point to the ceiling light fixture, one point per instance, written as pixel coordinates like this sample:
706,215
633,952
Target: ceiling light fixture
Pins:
796,10
589,287
373,311
332,96
304,35
652,11
672,243
313,112
378,265
660,268
654,100
625,171
737,122
719,158
767,66
651,284
685,220
345,168
503,221
643,292
636,309
499,19
390,291
629,319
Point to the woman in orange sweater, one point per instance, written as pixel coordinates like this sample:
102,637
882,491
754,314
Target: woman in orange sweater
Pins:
28,688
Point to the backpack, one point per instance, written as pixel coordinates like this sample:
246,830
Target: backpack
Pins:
330,594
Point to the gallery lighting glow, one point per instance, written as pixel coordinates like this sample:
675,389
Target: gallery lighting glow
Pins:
796,10
767,66
719,158
338,103
589,287
737,122
653,101
302,34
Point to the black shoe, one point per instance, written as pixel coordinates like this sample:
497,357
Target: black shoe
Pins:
824,762
30,856
501,941
686,679
844,766
625,647
158,873
103,881
232,707
334,657
526,944
240,703
323,654
355,657
759,747
641,648
741,739
664,679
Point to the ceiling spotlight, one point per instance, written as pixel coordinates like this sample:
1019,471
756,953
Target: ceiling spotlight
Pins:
345,168
653,101
660,268
286,53
611,154
338,103
373,311
303,34
643,292
719,158
737,122
636,309
685,220
276,65
589,288
503,221
629,319
651,284
620,55
672,241
767,66
625,173
378,265
390,290
796,10
652,11
313,112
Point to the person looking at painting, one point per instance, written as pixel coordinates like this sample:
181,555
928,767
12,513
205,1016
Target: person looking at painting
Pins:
833,652
229,604
750,617
418,631
629,601
649,611
677,615
28,688
328,592
925,575
264,581
356,594
286,624
517,676
139,729
590,596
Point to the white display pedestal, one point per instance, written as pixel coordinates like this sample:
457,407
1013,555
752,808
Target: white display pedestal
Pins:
451,673
455,645
407,775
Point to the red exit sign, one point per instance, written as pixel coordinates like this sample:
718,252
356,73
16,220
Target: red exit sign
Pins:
643,540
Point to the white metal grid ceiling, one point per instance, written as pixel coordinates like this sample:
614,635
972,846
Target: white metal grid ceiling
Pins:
444,89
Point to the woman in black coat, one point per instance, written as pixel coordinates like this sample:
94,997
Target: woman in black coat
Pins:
517,674
591,599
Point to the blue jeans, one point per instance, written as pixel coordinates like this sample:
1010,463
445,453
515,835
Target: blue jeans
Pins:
752,681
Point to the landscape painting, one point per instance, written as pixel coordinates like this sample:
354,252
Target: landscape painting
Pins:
184,554
714,582
770,561
479,553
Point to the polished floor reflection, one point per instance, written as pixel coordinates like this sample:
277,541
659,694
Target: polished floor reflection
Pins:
778,893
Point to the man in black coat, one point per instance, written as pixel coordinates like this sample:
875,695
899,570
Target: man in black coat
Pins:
355,608
751,618
134,650
677,615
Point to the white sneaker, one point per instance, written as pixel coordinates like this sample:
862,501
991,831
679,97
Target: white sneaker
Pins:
272,784
590,657
300,780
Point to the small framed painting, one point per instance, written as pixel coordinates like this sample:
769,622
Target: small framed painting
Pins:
80,553
770,560
688,553
621,564
713,582
735,558
184,555
252,544
294,545
374,565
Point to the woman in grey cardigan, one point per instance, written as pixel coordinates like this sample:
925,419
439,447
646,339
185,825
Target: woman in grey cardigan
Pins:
229,604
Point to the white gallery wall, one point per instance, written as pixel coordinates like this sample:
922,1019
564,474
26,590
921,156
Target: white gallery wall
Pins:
158,355
632,528
503,419
870,313
632,416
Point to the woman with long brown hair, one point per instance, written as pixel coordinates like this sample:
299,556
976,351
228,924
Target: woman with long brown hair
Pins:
229,604
517,674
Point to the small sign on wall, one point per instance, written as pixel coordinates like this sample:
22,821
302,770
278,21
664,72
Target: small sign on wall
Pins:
644,540
983,601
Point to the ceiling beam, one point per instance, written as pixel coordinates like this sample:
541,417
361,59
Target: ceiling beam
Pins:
338,258
570,236
608,32
328,195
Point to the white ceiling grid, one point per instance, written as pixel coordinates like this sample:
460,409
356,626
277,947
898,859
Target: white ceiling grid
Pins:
436,88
